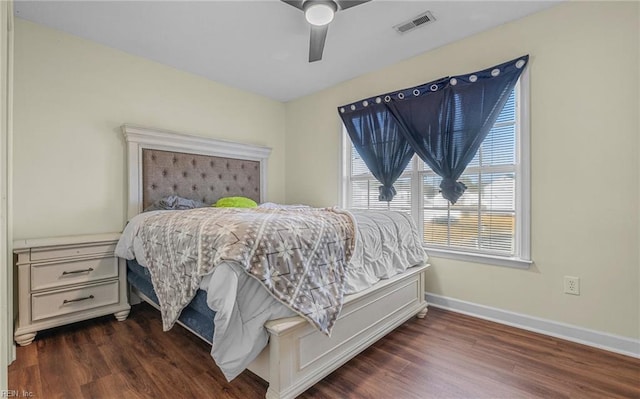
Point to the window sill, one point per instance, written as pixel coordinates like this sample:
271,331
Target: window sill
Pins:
479,258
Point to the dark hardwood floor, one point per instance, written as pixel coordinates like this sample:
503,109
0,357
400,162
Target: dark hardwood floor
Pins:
446,355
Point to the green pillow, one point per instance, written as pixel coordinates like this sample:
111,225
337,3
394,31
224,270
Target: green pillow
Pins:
235,202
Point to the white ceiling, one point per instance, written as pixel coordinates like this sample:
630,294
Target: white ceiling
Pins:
262,46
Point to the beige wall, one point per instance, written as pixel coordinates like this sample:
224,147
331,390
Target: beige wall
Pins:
72,96
584,133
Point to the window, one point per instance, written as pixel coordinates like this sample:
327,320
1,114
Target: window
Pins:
490,222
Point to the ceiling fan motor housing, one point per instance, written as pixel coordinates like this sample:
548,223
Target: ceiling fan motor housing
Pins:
319,12
329,3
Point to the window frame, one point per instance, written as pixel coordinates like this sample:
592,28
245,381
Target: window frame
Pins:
522,241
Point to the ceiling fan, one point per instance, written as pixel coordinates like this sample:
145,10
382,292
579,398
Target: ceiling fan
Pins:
319,13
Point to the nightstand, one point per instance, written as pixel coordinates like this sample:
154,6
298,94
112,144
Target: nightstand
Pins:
63,280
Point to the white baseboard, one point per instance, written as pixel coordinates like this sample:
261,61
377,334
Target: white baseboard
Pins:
598,339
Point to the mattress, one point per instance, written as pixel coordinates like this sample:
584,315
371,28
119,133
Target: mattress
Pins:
387,243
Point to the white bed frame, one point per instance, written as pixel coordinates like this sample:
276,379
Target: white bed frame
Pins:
297,355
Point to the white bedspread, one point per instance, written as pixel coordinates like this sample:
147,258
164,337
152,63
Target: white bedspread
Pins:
386,244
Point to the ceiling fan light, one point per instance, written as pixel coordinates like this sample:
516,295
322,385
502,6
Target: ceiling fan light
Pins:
319,14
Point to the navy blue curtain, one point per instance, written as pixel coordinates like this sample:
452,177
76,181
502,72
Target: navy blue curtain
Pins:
445,122
375,134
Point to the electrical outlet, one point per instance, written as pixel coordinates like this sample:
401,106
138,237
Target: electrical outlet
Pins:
572,285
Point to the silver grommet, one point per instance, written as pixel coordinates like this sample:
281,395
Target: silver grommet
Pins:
520,64
473,78
416,92
495,72
453,81
434,87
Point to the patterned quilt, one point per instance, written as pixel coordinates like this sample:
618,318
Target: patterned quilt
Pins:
299,255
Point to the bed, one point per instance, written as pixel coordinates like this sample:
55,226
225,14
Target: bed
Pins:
297,354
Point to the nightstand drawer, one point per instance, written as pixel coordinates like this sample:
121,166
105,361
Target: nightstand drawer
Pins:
56,303
71,251
74,272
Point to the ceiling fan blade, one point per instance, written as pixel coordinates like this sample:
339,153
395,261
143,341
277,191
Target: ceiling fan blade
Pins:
316,43
296,3
344,4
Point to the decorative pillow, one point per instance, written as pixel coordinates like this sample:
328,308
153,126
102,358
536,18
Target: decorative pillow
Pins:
174,202
235,202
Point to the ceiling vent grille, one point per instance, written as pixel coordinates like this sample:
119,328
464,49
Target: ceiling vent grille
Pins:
414,22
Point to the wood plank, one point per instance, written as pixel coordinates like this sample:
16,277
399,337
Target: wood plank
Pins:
445,355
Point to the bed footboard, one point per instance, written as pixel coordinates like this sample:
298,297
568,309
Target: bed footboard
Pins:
298,355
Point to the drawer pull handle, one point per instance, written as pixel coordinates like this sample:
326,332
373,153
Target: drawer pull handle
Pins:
66,301
64,273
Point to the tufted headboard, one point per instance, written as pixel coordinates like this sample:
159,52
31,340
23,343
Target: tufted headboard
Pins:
162,163
201,177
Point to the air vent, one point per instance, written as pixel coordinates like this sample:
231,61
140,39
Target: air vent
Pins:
414,22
